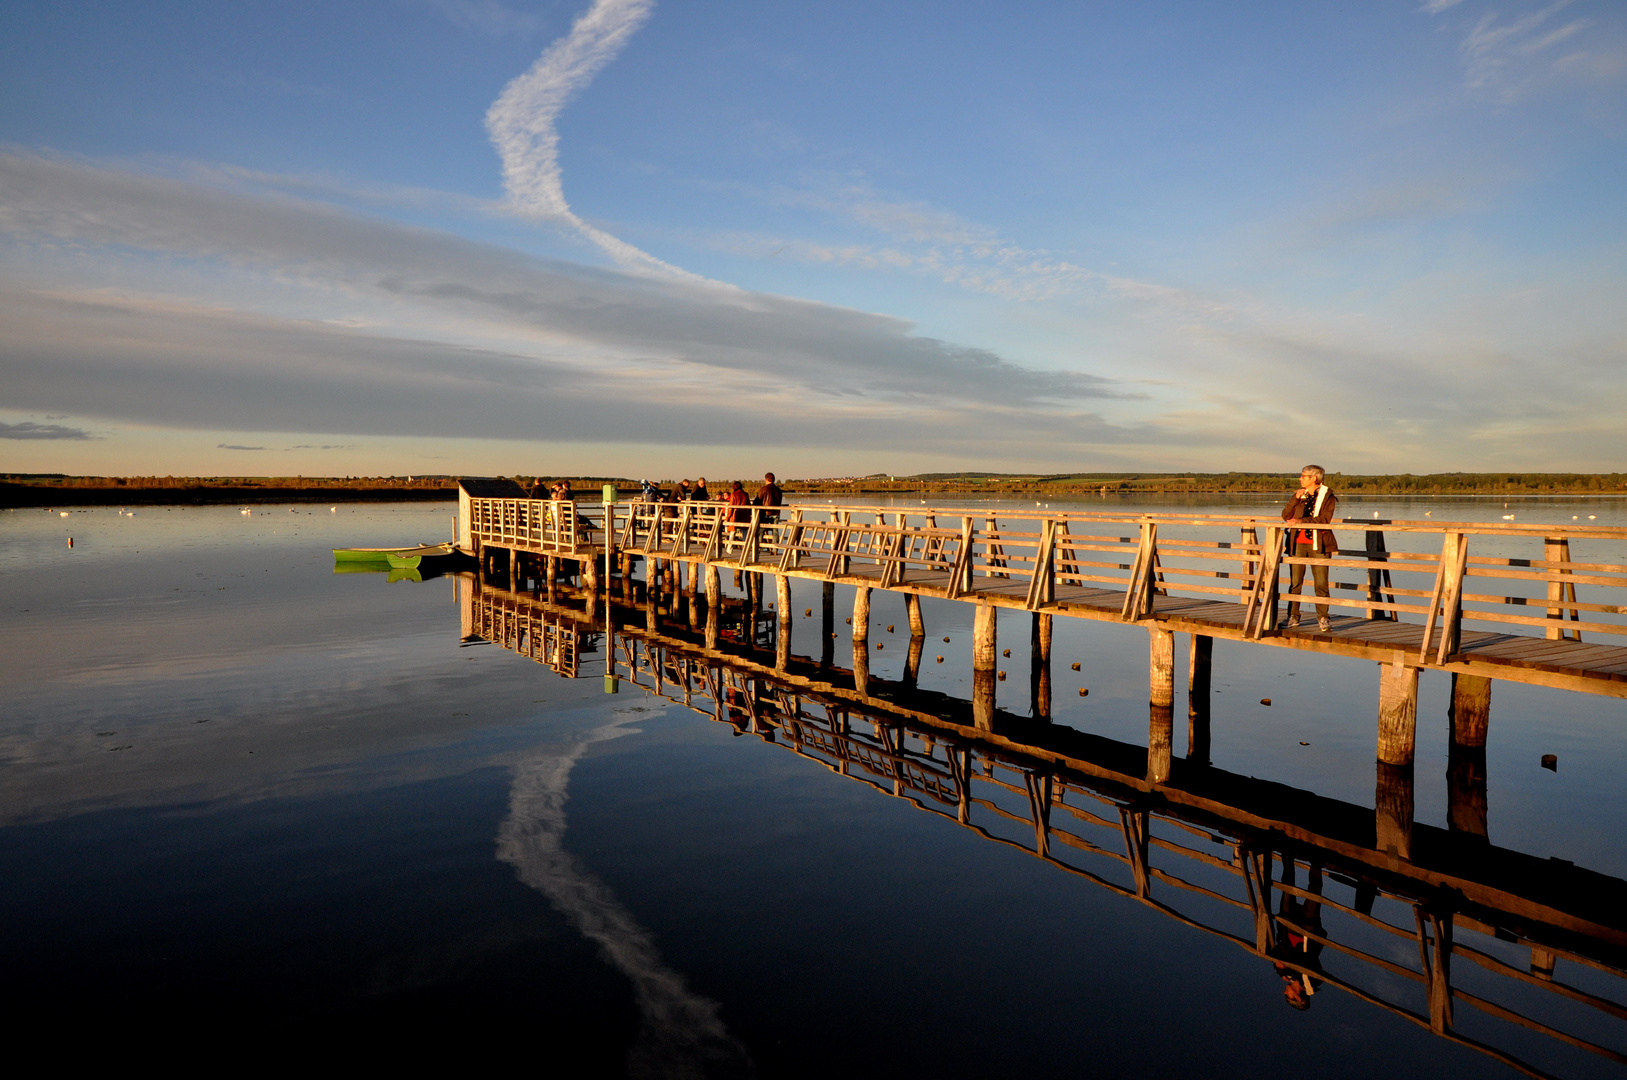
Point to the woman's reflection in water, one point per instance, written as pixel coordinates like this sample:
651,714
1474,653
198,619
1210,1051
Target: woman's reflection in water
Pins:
680,1032
1296,947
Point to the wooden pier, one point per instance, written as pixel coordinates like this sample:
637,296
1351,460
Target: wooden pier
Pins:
1463,603
1317,887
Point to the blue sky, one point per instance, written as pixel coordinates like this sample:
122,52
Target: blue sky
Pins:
653,238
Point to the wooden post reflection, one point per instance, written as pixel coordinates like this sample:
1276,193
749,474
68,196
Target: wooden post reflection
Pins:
1160,742
912,662
861,665
1198,698
827,624
1392,814
1039,651
1466,756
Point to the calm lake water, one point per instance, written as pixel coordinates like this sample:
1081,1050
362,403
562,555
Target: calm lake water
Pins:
244,794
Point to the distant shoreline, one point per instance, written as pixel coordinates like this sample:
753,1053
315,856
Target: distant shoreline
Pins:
37,490
20,496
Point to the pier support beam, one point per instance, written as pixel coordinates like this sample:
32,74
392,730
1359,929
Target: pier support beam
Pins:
1466,756
1161,667
714,598
827,624
1471,710
1198,698
985,651
912,608
861,613
1397,713
782,607
1039,653
590,575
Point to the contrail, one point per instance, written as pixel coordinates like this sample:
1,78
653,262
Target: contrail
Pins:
521,123
680,1033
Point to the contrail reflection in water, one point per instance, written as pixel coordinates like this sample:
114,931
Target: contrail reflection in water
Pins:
680,1032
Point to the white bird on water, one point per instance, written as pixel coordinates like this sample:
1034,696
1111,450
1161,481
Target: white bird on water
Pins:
333,509
64,513
1593,517
1508,517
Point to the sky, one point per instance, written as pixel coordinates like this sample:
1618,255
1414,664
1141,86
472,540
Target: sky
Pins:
641,238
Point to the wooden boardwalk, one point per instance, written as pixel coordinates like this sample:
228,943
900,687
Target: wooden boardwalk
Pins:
1307,883
1479,601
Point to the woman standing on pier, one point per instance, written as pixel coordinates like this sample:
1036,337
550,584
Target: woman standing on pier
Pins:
1312,504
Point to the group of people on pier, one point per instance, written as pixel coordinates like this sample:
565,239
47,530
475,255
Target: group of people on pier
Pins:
769,495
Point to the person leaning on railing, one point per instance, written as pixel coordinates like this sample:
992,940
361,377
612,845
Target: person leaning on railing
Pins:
1312,504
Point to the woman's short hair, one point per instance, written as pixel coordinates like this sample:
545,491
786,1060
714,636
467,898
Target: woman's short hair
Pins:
1317,469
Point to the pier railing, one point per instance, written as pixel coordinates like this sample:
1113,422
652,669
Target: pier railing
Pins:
1458,573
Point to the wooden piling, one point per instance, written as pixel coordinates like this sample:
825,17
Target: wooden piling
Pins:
861,613
1397,713
1470,709
1161,667
985,653
782,637
1199,662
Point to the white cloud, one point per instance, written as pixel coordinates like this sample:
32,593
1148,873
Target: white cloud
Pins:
522,123
477,340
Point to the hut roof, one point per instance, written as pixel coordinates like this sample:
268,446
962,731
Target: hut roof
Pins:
484,487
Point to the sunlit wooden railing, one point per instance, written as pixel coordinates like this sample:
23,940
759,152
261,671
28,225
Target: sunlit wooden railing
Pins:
1036,558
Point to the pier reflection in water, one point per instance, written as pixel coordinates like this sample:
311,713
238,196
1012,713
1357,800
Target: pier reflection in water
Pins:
1425,923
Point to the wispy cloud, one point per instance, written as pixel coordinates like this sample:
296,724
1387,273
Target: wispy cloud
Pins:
522,123
920,238
28,430
1507,59
486,17
1435,7
231,446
